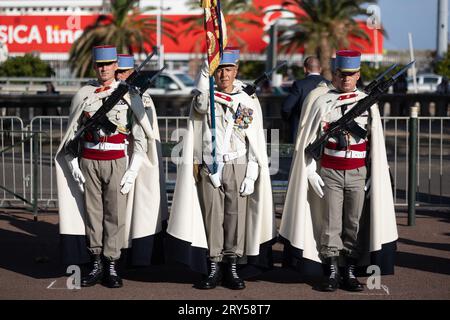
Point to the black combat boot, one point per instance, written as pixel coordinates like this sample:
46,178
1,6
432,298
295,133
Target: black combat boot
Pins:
351,283
213,279
112,279
332,277
96,274
232,279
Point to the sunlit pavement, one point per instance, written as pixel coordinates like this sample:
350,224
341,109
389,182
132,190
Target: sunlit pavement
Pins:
30,269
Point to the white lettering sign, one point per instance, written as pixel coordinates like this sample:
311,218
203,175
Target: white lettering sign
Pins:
31,34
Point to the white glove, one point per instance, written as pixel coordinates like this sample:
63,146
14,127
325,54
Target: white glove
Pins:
314,179
248,185
215,179
202,80
76,172
130,175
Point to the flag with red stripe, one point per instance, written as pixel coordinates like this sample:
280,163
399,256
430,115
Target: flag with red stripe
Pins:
216,35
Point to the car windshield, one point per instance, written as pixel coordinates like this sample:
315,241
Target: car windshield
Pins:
430,80
187,80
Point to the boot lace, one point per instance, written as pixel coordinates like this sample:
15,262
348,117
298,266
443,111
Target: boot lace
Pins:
333,271
351,269
112,269
96,268
213,271
234,271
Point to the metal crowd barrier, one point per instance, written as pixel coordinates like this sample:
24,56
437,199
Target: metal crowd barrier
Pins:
40,139
16,175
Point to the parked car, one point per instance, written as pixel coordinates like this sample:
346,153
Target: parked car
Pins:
168,82
426,82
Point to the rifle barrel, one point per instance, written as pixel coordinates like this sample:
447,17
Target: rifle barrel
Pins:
381,76
150,81
267,74
395,76
145,61
279,66
377,80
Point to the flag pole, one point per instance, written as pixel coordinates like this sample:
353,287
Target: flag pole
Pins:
214,49
213,123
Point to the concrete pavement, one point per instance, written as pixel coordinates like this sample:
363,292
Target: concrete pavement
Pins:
30,269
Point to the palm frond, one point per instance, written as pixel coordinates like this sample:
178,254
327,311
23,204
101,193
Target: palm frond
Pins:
125,27
323,26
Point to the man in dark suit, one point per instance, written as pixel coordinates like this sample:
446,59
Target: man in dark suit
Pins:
292,106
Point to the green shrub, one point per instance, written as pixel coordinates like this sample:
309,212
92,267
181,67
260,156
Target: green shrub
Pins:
25,66
442,67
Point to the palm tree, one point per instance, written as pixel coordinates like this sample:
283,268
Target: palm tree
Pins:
235,22
323,26
125,28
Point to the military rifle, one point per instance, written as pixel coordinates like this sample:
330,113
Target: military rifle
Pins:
347,120
99,120
378,79
148,82
251,88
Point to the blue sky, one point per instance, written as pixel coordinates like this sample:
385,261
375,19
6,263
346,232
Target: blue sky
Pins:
402,16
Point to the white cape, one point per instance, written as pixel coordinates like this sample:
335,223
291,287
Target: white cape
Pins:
146,202
301,227
186,220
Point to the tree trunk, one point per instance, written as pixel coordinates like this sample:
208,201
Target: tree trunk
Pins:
325,55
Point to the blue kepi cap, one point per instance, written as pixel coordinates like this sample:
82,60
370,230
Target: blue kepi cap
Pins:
125,61
104,54
230,57
348,60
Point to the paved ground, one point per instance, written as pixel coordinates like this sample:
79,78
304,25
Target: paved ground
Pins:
29,268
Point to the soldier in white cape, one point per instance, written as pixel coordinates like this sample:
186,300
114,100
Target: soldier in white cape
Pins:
146,212
194,237
303,217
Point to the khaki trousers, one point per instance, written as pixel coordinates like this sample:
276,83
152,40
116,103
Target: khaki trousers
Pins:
344,199
105,206
224,210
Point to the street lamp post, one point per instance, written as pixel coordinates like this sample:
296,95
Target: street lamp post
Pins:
442,29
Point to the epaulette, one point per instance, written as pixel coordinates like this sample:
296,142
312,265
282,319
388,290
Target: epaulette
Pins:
347,96
223,98
101,89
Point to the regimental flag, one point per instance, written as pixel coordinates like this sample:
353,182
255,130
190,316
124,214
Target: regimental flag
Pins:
216,32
